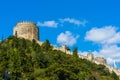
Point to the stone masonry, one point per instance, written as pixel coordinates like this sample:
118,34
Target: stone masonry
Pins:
27,30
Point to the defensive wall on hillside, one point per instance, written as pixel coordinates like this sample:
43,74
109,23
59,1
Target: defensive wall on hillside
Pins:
29,30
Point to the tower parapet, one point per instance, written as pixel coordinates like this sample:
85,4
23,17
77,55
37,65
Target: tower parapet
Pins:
26,23
27,30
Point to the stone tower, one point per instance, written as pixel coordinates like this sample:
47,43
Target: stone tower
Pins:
27,30
90,56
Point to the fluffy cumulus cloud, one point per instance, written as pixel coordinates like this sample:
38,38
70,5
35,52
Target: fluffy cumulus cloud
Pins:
111,53
73,21
109,38
48,24
105,35
67,38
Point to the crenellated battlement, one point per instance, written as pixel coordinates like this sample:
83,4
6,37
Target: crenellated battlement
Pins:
26,23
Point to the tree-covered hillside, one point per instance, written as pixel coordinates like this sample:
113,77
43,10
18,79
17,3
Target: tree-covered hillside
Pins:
22,59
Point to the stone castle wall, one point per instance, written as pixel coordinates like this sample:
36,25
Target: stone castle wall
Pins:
27,30
100,60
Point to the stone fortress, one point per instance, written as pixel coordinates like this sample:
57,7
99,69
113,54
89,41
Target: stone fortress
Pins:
29,30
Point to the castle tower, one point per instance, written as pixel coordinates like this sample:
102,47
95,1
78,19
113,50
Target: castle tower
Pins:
90,56
27,30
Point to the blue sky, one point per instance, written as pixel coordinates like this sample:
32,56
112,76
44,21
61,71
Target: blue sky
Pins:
91,25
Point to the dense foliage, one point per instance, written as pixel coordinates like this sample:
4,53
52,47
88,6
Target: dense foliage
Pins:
26,60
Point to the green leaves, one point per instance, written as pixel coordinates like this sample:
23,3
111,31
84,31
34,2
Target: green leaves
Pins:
75,53
46,46
27,60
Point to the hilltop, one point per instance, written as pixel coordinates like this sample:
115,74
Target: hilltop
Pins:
30,31
26,59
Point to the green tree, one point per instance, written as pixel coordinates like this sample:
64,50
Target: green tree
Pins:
75,52
27,60
114,76
67,48
46,46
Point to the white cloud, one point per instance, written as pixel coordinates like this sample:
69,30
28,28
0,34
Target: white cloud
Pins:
110,50
115,39
54,24
109,38
48,24
105,35
73,21
67,38
111,53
